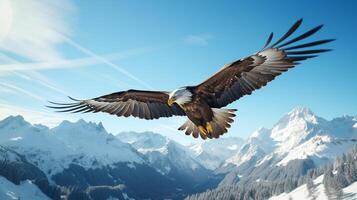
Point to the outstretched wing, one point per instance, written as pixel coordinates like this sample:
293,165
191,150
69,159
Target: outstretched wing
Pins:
244,76
142,104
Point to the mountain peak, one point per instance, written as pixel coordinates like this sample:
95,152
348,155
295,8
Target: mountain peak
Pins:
295,125
18,118
81,126
301,112
299,115
260,133
14,121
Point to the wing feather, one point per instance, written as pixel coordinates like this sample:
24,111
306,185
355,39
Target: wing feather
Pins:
136,103
246,75
290,31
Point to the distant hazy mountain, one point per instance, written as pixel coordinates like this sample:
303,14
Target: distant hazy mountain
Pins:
211,153
163,153
170,158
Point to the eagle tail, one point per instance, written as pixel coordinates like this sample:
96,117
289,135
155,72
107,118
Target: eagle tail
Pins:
222,118
190,128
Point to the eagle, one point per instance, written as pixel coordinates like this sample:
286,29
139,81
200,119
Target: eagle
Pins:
204,104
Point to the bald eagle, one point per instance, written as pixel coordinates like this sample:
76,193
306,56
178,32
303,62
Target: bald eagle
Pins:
203,104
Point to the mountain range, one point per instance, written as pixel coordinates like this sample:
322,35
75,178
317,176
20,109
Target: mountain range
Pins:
299,135
81,160
299,141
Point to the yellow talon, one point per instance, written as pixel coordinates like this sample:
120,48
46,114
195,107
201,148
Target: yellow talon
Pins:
209,127
170,102
202,130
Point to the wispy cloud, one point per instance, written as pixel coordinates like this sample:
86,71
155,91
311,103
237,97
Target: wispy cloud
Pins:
30,36
33,76
20,90
201,39
106,61
33,29
58,64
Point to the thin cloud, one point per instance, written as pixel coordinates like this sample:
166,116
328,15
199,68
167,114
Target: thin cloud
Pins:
198,39
35,29
46,82
20,90
58,64
106,61
33,76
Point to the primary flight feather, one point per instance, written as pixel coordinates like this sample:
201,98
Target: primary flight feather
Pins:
202,104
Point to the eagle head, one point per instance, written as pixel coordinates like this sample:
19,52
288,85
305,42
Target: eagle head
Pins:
180,96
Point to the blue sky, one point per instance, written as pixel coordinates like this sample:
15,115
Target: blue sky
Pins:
89,48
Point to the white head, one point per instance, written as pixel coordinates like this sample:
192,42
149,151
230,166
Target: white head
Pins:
180,96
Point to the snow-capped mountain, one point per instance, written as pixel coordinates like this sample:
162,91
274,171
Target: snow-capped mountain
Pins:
53,150
264,177
298,135
172,159
85,155
151,166
167,156
211,153
256,147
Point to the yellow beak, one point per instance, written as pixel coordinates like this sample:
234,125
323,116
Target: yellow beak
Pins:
170,102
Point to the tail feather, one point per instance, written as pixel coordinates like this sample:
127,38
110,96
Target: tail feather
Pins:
222,119
190,128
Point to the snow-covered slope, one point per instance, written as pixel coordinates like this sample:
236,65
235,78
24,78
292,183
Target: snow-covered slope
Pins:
8,156
299,135
172,160
256,147
52,150
302,192
162,153
211,153
350,192
26,190
93,141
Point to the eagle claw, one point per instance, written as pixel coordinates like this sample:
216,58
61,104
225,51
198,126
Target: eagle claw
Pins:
209,128
203,130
